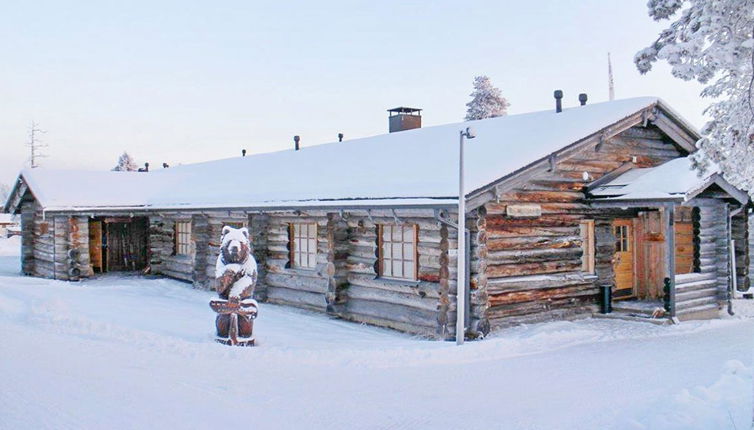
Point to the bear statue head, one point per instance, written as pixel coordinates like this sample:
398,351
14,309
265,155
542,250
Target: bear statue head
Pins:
235,245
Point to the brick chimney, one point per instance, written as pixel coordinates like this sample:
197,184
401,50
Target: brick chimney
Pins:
404,118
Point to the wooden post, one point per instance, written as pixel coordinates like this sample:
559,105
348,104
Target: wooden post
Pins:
670,253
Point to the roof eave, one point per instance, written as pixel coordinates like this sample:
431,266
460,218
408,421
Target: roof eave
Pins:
13,204
740,196
443,203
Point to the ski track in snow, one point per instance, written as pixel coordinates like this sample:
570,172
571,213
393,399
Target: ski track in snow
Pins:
129,352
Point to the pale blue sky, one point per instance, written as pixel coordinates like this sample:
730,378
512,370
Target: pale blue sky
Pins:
188,81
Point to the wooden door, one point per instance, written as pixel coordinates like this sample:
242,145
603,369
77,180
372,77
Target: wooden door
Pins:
95,245
623,262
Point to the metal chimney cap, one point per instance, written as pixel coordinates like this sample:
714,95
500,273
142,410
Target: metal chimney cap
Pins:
558,94
583,98
404,110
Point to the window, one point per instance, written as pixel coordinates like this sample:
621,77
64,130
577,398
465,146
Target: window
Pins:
621,238
587,246
303,245
397,251
182,238
234,224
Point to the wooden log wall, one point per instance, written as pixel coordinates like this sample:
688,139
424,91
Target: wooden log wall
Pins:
425,306
161,245
258,230
301,287
533,268
713,245
49,245
78,239
337,259
698,293
27,237
479,299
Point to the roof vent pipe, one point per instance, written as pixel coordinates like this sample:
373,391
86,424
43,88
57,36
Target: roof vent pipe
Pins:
243,153
296,140
582,99
558,101
165,165
340,137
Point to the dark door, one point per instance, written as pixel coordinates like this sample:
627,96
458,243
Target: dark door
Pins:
126,244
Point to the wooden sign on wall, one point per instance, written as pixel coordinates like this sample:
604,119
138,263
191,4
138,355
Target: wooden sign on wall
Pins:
523,211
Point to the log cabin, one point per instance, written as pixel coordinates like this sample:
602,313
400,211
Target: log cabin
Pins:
569,213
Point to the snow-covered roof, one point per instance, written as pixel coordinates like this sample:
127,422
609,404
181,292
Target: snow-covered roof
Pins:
413,167
673,180
6,219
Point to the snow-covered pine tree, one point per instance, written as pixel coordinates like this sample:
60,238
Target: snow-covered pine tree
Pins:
487,101
125,164
711,42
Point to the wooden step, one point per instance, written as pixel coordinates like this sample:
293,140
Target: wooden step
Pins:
632,308
684,295
702,308
635,318
679,306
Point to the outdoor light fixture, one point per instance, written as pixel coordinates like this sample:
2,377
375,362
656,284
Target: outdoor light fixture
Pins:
461,285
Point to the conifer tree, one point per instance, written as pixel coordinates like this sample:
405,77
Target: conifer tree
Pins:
711,42
487,101
125,164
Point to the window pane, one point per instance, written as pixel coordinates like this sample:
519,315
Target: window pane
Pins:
397,250
409,269
387,268
396,234
408,234
397,268
408,251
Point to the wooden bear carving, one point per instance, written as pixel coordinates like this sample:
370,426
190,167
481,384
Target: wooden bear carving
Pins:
236,273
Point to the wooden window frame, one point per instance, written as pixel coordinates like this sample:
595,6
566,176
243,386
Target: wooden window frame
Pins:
381,272
587,246
296,254
182,238
622,239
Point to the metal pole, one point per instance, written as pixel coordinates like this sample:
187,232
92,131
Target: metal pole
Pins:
461,272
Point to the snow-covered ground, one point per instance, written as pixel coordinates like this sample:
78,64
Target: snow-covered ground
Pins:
130,352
